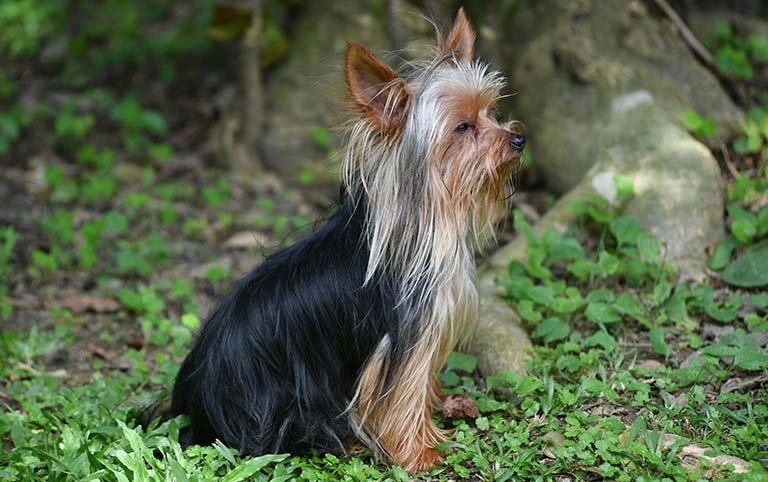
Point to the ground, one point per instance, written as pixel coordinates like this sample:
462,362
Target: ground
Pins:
122,225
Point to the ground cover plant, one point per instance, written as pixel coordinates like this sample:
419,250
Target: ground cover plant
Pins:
131,231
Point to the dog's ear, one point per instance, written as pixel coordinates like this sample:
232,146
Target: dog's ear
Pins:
375,89
461,41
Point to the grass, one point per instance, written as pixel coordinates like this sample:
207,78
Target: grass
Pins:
623,377
633,376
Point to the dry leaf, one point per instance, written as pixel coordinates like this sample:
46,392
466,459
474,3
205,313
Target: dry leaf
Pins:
245,240
459,406
81,302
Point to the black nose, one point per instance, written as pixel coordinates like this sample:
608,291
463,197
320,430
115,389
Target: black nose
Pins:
517,142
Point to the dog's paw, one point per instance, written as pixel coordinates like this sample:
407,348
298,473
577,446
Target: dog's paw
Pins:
427,459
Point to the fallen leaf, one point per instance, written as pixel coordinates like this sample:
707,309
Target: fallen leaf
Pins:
81,302
741,385
245,240
136,341
459,406
553,439
102,353
648,364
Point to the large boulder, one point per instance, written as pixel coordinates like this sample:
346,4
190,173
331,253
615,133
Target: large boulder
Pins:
306,91
574,64
602,87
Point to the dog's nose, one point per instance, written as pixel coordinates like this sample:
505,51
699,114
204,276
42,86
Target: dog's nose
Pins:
517,141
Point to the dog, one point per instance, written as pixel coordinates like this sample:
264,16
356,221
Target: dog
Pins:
338,339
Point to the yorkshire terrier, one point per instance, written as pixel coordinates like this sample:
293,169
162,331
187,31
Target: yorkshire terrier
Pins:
340,337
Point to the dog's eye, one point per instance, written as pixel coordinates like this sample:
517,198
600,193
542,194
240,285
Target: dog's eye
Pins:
464,126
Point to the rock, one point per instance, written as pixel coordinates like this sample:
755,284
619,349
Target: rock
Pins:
298,92
606,96
499,341
581,65
603,94
696,456
307,91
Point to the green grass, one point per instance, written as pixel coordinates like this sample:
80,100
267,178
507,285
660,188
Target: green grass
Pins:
630,367
619,368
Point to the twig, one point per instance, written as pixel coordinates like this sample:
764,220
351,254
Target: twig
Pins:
728,162
688,36
393,23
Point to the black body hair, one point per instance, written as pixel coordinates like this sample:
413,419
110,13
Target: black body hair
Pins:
276,364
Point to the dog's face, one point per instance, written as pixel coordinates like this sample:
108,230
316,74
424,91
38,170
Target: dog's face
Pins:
443,116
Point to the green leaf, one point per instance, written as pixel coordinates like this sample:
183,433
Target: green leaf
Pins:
676,309
482,423
216,273
449,379
536,256
517,286
190,320
750,270
759,299
602,339
542,295
568,363
564,249
758,48
251,466
692,120
607,264
461,361
625,185
520,224
661,292
551,329
153,122
744,229
602,294
722,254
527,312
708,128
751,358
762,222
601,313
627,304
115,222
160,152
722,314
528,385
648,246
592,386
626,230
657,335
87,256
321,136
734,63
568,304
582,268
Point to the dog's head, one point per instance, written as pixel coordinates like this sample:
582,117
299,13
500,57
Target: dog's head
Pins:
436,125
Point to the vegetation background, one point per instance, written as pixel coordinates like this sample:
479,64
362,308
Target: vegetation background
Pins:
153,151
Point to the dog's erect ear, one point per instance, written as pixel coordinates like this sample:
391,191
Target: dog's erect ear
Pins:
461,41
376,90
